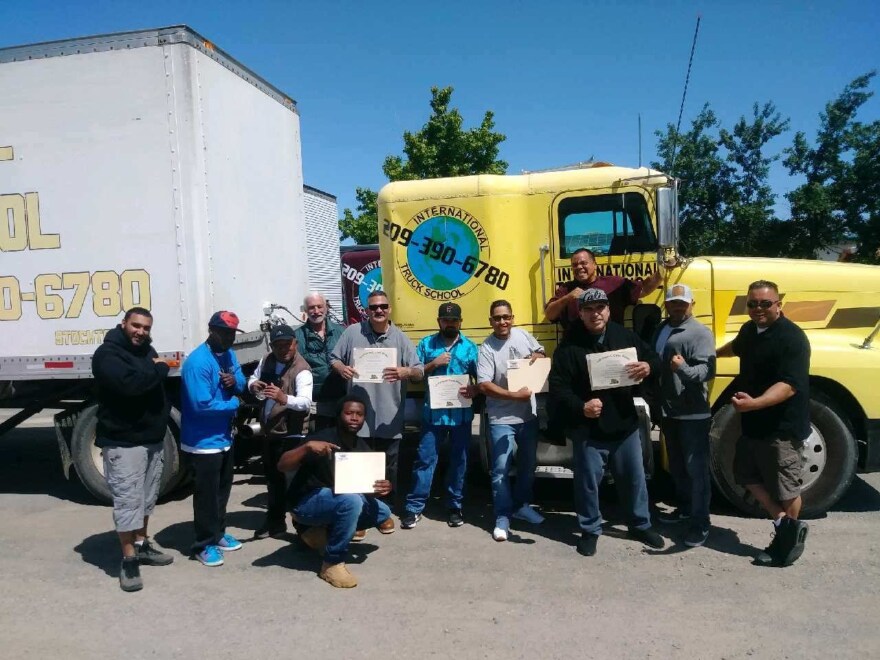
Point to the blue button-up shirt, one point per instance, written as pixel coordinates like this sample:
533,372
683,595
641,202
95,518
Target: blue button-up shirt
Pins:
462,360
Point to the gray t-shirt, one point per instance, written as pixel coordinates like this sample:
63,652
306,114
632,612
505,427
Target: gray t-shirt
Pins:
492,368
384,400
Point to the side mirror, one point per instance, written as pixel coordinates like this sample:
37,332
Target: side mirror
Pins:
666,203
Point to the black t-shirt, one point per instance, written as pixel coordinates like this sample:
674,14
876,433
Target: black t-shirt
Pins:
317,471
779,354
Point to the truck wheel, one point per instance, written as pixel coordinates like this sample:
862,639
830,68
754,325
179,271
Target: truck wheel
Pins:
89,462
829,459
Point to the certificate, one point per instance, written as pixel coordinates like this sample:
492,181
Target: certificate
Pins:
443,391
608,370
370,362
522,374
357,471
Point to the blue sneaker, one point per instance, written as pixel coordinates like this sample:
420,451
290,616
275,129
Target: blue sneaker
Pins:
229,543
211,556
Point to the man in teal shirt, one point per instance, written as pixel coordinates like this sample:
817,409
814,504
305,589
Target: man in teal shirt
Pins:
445,353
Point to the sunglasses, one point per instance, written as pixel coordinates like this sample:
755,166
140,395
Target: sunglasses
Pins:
383,306
501,317
763,304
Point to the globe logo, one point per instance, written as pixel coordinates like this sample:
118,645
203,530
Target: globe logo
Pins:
372,282
438,248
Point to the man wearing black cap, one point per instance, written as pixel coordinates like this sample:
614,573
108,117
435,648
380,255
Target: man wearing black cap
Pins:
603,423
211,378
445,353
283,379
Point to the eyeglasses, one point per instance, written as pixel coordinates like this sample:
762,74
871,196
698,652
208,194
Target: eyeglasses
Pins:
763,304
383,306
501,317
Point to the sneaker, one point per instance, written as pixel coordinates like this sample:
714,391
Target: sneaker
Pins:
409,520
793,534
359,535
673,517
273,528
696,536
769,555
314,538
455,518
527,513
212,555
229,543
647,536
387,526
586,544
149,556
502,527
337,575
130,575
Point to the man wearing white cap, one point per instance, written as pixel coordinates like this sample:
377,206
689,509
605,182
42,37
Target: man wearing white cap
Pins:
687,362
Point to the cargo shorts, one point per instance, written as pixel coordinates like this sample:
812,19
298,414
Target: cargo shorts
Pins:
774,462
133,475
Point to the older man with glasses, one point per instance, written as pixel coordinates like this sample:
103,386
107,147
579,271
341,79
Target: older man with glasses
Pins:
773,397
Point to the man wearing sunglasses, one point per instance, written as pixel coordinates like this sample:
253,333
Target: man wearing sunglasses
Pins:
385,400
772,395
603,424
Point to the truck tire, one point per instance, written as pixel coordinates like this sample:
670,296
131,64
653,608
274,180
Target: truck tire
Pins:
89,463
830,456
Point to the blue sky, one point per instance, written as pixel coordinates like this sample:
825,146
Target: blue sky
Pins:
566,79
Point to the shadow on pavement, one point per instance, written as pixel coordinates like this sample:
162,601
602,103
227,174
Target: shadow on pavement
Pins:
298,557
101,550
179,536
860,498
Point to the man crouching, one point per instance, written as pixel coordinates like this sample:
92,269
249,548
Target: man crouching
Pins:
333,519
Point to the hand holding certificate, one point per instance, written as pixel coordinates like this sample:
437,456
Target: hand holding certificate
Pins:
357,471
445,391
609,370
369,363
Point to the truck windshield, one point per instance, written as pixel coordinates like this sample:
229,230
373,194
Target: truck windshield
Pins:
606,224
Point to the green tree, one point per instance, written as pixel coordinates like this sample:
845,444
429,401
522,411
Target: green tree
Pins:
441,148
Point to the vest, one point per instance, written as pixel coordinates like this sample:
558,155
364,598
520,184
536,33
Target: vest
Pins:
281,420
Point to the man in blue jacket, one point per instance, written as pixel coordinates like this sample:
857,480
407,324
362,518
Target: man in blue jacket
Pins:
211,379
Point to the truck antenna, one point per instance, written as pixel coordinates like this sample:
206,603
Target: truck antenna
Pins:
640,140
684,95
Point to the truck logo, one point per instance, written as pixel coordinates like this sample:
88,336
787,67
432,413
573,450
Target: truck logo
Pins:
443,253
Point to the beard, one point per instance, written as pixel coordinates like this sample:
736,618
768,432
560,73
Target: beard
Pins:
449,333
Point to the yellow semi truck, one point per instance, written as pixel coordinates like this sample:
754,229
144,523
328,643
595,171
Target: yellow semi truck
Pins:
476,239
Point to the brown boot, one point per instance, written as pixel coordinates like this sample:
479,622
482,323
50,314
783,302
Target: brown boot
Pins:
387,527
337,575
315,538
359,536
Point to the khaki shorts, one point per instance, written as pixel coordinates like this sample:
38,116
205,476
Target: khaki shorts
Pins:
774,462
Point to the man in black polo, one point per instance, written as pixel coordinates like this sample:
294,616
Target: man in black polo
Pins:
772,395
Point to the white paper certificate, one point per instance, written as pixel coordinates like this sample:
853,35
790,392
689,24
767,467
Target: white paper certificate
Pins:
443,391
357,471
608,370
370,362
522,374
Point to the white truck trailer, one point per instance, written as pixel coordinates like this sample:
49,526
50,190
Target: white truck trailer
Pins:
143,168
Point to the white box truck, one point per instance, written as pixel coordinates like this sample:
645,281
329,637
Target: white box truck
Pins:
143,168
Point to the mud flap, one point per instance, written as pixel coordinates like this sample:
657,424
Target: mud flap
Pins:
65,421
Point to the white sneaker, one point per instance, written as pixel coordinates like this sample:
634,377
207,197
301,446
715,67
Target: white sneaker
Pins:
502,526
527,513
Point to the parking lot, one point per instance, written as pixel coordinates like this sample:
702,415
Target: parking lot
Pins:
431,591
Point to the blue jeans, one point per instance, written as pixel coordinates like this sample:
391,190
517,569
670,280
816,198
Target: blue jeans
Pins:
625,460
687,443
342,514
426,462
505,440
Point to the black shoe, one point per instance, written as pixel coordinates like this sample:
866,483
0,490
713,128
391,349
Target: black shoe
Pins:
130,575
271,528
647,536
673,517
455,518
769,556
586,544
793,534
409,520
150,556
696,536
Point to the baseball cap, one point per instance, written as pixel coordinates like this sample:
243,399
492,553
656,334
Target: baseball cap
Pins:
679,292
281,332
591,296
224,319
449,311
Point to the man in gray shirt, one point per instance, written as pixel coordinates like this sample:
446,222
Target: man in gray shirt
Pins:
513,424
385,401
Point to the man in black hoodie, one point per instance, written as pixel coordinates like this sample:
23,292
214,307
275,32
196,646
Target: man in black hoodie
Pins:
132,419
603,424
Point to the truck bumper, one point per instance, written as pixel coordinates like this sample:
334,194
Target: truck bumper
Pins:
869,459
